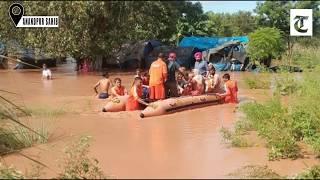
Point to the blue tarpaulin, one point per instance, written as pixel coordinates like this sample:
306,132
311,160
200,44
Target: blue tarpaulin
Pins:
205,43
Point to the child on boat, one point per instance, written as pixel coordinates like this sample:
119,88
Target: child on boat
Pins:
231,90
118,89
181,83
135,101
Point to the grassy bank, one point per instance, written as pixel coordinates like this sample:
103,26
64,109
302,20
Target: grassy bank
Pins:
75,164
291,118
286,123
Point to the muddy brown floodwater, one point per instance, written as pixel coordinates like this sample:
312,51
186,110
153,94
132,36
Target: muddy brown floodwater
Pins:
180,145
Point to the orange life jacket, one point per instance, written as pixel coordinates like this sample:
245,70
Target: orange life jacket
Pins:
232,92
119,90
132,103
158,72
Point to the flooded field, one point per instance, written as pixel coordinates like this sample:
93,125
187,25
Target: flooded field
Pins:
180,145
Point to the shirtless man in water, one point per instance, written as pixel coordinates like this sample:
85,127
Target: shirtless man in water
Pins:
104,86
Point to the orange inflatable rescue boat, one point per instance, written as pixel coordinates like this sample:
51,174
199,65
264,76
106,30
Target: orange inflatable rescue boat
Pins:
116,104
178,104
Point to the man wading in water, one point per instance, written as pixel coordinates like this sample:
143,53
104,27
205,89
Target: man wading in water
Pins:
46,73
104,86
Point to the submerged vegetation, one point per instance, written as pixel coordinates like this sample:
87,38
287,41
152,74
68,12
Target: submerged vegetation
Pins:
255,172
14,134
258,81
77,165
9,173
291,116
236,138
310,173
284,125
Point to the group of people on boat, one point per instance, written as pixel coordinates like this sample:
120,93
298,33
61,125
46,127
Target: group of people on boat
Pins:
161,82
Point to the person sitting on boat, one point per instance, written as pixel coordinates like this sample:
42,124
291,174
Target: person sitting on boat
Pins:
231,90
138,73
201,65
135,101
210,68
46,73
188,87
213,82
197,83
181,83
145,82
104,84
145,85
118,89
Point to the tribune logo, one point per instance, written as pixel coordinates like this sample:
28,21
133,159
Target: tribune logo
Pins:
16,12
301,22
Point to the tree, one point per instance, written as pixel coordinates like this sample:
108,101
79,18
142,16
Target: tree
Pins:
277,14
237,24
265,44
192,22
93,28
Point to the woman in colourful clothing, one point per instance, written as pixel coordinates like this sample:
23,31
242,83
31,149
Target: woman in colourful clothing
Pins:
231,88
135,102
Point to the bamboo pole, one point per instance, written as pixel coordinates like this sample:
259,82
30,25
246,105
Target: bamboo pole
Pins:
19,61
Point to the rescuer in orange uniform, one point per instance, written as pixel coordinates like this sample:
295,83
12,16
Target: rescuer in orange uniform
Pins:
158,76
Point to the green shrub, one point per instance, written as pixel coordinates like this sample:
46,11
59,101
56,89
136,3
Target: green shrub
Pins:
307,58
311,173
286,84
265,43
9,173
283,126
77,164
234,139
255,172
257,83
271,121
